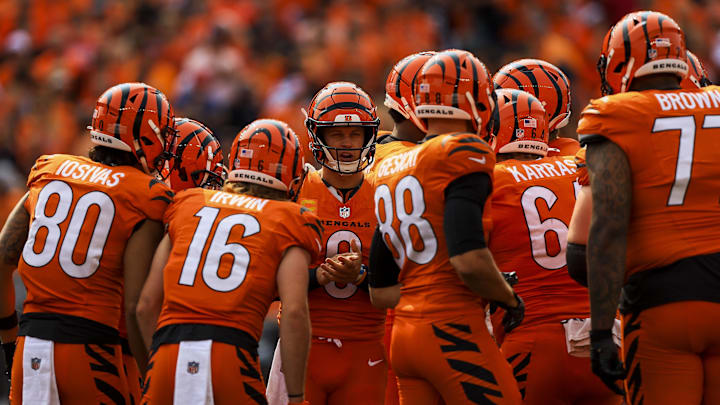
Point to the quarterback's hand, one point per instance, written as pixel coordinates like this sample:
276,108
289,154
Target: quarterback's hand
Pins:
344,268
605,361
513,315
9,350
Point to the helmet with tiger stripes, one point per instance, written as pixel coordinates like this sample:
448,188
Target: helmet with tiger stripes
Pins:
342,104
641,43
267,152
198,157
400,83
697,75
454,84
520,124
543,80
136,118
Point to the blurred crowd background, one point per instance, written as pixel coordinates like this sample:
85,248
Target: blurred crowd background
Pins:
228,62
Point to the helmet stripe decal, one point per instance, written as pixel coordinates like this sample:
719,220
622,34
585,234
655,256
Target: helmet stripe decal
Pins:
531,76
296,158
124,92
456,60
626,40
408,61
158,102
139,117
346,104
519,84
283,137
661,19
184,143
557,91
515,115
475,82
257,131
647,37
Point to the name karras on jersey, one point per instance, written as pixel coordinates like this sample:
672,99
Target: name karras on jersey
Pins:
95,174
397,163
239,200
529,171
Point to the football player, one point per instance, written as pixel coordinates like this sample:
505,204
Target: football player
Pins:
231,252
407,131
81,235
532,200
347,357
697,75
551,86
197,162
198,158
429,258
580,222
653,157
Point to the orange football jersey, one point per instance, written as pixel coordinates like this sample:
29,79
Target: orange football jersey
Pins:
583,176
82,214
410,205
226,249
342,311
563,147
671,139
532,202
382,150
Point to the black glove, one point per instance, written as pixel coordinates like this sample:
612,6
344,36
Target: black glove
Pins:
605,361
9,350
513,315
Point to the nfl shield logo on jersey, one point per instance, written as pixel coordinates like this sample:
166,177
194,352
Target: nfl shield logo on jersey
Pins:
35,363
344,212
193,367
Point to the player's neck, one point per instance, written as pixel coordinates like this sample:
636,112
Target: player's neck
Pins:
517,156
338,180
554,134
445,126
663,81
407,131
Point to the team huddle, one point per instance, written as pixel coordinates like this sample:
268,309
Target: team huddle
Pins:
470,255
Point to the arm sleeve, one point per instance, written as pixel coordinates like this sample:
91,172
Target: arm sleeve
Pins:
312,279
382,269
464,201
576,264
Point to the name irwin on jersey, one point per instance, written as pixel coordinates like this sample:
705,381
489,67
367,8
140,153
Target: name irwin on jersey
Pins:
91,173
529,171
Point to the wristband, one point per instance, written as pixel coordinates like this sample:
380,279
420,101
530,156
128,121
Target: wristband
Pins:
361,276
9,322
296,395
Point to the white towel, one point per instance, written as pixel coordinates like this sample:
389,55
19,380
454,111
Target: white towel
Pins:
577,336
193,374
39,385
276,391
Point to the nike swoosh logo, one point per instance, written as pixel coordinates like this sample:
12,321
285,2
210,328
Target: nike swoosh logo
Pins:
481,160
374,363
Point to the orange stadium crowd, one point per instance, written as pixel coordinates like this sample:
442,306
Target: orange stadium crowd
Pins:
418,214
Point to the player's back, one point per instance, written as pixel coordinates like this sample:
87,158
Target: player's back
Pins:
226,249
83,213
410,208
673,148
532,203
342,310
386,146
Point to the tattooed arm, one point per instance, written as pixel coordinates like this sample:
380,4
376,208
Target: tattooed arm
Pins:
611,181
12,239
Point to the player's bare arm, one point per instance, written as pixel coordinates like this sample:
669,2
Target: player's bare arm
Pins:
607,242
138,257
292,282
477,269
12,239
151,297
385,297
